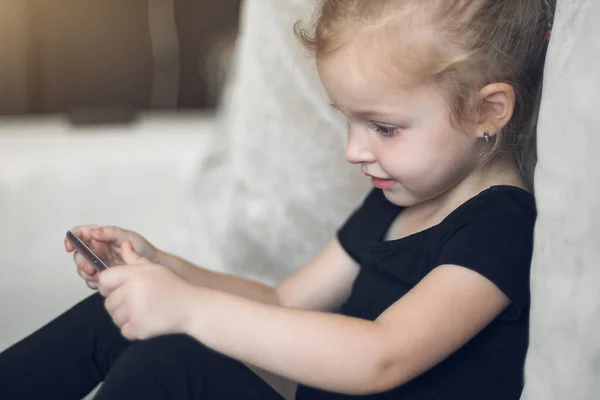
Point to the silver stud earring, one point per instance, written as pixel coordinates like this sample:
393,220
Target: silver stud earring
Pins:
486,136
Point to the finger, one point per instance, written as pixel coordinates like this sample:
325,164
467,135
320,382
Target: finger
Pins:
90,282
115,300
128,331
68,246
83,264
83,232
92,285
112,234
87,277
83,275
111,279
119,315
129,255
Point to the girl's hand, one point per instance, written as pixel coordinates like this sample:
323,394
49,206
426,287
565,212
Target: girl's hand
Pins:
106,242
145,299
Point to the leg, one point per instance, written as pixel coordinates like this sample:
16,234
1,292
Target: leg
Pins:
178,367
66,358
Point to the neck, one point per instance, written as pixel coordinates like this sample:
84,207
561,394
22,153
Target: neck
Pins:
499,171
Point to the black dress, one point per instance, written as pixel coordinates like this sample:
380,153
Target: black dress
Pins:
491,234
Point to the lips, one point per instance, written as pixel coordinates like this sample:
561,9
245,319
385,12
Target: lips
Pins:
380,183
383,183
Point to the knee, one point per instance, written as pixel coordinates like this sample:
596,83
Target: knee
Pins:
167,352
161,367
167,342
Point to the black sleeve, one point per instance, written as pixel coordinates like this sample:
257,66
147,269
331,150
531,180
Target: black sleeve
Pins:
367,224
499,247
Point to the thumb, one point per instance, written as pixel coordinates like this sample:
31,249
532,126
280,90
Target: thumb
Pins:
111,279
130,256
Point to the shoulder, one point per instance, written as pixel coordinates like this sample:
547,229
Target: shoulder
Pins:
493,235
501,214
497,208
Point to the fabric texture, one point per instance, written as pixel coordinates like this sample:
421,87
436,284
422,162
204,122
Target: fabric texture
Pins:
275,186
564,356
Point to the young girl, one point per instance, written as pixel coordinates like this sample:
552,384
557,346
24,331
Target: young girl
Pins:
424,291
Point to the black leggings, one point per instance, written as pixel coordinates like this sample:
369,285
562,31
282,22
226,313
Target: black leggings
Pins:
69,356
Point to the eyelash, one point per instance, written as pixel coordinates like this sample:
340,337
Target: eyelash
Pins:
384,130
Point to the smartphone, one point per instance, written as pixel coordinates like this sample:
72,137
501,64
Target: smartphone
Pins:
86,252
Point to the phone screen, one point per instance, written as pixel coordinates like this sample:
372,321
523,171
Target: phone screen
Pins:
86,252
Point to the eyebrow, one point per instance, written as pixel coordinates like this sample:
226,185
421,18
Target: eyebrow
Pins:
364,113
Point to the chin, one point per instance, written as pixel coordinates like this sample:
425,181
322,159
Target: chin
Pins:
404,197
400,196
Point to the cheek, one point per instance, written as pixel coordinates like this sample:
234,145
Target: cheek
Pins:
425,157
450,161
418,151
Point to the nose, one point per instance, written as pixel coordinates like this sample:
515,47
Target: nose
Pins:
358,149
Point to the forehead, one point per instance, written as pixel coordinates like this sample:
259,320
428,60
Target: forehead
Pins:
358,81
403,41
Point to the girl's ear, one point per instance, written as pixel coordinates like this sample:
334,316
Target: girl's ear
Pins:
497,107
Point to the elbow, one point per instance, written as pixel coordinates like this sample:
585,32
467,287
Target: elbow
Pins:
385,373
278,299
388,374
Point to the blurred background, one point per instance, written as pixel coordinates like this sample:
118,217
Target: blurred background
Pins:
112,57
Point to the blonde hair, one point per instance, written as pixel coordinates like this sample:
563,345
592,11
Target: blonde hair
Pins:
471,43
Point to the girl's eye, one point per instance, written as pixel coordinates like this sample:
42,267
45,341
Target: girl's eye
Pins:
383,129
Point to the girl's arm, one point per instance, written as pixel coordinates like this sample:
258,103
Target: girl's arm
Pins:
323,284
202,277
342,354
